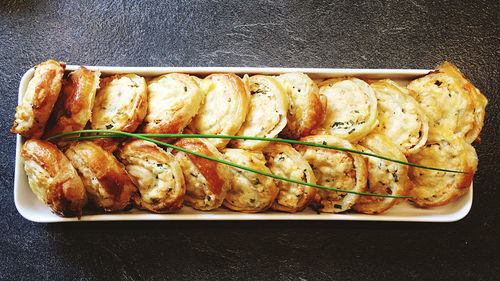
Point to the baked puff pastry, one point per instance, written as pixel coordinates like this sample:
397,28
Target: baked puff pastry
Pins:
157,175
74,106
105,179
266,114
336,169
305,109
451,102
351,108
250,192
286,162
435,188
174,99
225,108
384,177
120,105
207,181
400,117
39,99
53,179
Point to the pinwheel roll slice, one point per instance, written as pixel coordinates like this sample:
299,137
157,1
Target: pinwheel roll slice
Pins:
39,99
384,177
73,108
53,179
286,162
335,169
351,108
249,192
207,181
305,109
157,175
105,179
267,112
225,108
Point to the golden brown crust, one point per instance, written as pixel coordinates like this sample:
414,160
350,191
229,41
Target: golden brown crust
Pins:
157,175
74,106
53,179
39,99
108,184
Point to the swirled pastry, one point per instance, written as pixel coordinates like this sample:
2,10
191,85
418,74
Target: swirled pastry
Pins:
384,177
53,179
336,169
105,179
174,99
451,102
39,99
74,106
207,181
435,188
286,162
351,108
157,175
266,114
225,108
305,109
400,117
120,105
250,192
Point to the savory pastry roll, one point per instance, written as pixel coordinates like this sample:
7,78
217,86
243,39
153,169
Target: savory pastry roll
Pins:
451,102
305,109
105,179
53,179
351,108
174,99
74,106
207,181
400,117
335,169
250,192
120,105
266,114
157,175
39,99
286,162
384,177
225,108
435,188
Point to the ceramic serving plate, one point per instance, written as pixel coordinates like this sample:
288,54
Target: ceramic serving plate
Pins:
34,210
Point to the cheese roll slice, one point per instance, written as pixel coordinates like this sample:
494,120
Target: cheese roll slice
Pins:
105,179
336,169
39,99
400,117
384,177
286,162
351,108
451,102
207,181
157,175
53,179
73,109
267,112
249,192
435,188
120,105
225,108
305,109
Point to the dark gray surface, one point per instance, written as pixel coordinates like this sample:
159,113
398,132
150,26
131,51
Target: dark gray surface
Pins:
369,34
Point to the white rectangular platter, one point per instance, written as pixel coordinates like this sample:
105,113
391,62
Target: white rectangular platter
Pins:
34,210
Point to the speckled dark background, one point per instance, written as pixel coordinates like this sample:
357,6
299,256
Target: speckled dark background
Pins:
357,34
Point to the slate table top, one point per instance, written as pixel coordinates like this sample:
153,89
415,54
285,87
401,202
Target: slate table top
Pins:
337,34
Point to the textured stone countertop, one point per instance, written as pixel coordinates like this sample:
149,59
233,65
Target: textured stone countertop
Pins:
337,34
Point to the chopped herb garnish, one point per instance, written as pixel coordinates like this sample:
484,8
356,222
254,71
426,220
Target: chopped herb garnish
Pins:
185,89
256,181
281,158
438,83
352,130
395,176
159,165
336,124
109,126
336,206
